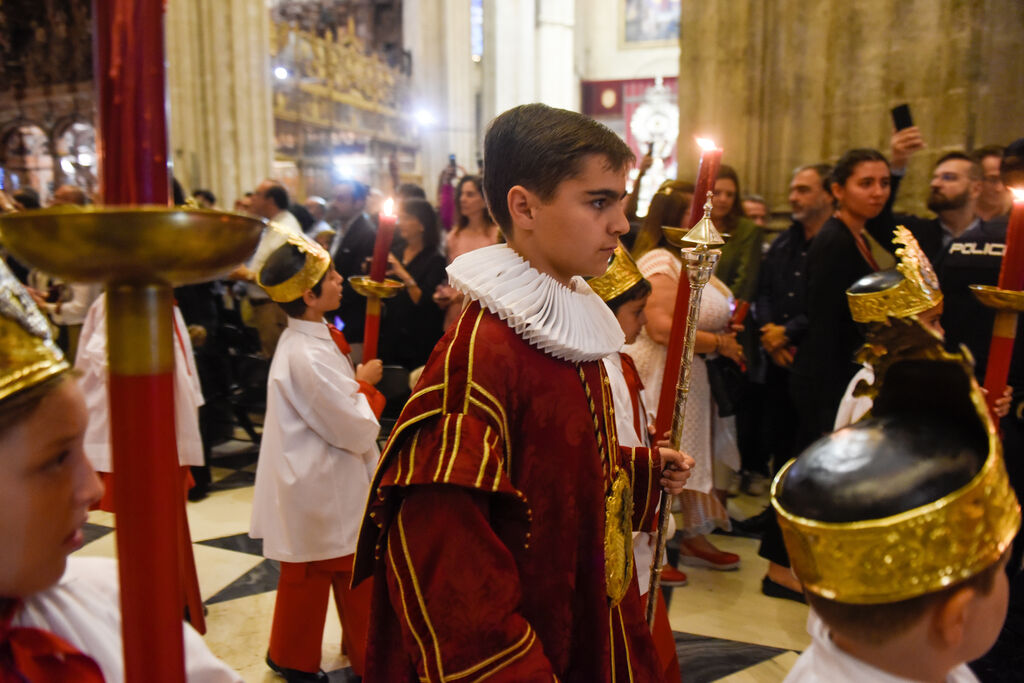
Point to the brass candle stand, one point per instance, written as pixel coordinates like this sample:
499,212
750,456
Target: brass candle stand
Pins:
374,291
700,261
140,253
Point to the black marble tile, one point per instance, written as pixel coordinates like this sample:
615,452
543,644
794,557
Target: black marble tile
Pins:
260,579
240,543
236,461
345,675
703,659
235,480
91,532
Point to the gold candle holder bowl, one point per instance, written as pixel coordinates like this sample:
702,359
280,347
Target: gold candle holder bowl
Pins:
1001,299
676,236
132,243
366,286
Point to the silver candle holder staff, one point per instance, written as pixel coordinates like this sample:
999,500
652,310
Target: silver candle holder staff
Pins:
700,262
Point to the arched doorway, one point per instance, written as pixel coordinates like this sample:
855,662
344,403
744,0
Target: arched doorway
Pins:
26,161
76,155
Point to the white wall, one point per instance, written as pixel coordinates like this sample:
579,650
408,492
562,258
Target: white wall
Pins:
601,53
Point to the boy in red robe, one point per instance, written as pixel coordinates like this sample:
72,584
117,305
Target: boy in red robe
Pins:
625,291
499,524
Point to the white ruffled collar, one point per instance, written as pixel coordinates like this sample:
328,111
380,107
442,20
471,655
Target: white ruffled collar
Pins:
570,324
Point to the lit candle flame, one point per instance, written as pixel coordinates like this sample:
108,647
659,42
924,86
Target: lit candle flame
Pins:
706,143
1018,194
389,207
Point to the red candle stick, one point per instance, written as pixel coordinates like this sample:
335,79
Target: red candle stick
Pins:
378,267
707,173
382,245
1004,329
129,67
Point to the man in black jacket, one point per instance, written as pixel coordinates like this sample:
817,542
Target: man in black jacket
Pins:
352,245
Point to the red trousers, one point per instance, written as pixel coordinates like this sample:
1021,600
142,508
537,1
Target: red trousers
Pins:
664,641
301,610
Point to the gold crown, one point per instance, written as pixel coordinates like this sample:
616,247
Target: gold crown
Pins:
918,551
622,274
28,355
317,263
915,293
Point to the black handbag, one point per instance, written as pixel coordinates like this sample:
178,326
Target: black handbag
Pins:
727,384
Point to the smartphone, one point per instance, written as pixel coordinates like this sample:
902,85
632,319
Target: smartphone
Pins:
901,117
451,160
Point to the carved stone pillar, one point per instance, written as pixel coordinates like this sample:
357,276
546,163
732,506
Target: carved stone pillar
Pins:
219,87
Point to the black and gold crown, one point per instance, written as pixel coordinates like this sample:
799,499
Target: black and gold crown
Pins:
915,293
931,546
28,354
316,264
622,274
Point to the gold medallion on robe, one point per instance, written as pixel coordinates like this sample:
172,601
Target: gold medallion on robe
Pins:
618,537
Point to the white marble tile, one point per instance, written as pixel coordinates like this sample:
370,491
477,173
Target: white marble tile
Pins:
222,513
219,568
730,605
238,631
218,473
101,517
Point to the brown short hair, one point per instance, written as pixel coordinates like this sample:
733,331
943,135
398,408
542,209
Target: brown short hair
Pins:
18,407
538,147
877,624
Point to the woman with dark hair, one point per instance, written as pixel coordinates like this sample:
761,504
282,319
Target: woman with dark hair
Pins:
707,437
669,206
412,321
847,248
741,254
474,228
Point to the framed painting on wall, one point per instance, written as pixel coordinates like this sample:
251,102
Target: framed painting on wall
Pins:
647,23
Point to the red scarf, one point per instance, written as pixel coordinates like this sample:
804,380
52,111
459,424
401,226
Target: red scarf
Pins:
32,654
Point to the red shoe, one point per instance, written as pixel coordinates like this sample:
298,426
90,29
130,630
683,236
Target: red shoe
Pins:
670,576
712,559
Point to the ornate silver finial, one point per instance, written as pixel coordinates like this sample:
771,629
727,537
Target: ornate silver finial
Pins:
704,234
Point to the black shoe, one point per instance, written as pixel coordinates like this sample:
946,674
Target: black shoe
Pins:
197,493
777,590
754,526
296,676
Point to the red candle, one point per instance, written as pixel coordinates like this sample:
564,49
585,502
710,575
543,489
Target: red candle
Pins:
1004,328
129,67
382,246
707,173
1011,273
132,141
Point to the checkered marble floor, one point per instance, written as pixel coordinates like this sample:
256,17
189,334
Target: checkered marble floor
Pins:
726,630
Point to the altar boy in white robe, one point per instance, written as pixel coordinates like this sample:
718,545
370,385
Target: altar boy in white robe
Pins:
91,363
317,459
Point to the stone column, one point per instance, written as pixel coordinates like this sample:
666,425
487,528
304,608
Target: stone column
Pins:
219,89
437,34
788,83
557,79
